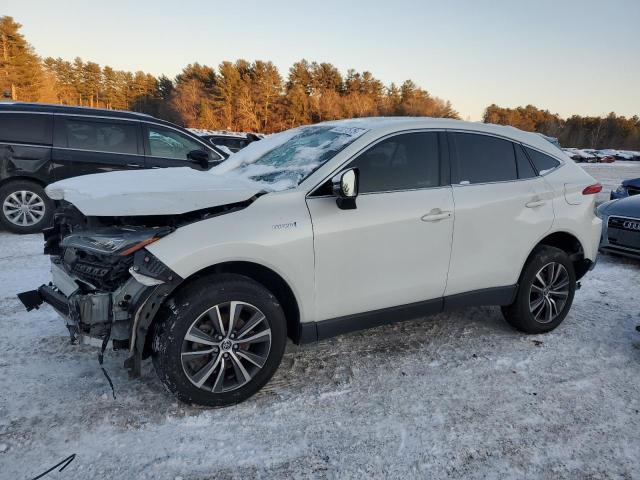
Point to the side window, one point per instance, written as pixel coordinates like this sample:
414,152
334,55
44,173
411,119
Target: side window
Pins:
541,161
102,136
525,170
167,143
482,158
402,162
26,128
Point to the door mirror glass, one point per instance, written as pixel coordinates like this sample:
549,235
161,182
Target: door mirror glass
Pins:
345,188
199,156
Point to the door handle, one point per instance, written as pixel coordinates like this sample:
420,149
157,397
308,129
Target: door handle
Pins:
134,165
535,203
435,215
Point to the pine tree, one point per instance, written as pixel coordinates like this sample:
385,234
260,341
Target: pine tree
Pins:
20,68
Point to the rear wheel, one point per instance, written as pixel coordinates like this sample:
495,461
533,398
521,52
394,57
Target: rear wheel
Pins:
24,207
545,292
223,341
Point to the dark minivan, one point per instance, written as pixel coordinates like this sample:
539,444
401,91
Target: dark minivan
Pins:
41,144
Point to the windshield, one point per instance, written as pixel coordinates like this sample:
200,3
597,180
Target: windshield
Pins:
286,159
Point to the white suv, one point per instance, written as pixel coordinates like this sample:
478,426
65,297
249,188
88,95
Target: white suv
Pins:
314,232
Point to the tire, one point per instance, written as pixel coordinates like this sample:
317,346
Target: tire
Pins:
204,307
533,309
24,192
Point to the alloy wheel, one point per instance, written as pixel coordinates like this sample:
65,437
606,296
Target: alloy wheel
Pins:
23,208
549,292
226,346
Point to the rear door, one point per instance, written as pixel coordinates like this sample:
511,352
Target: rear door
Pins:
25,145
83,145
169,147
502,208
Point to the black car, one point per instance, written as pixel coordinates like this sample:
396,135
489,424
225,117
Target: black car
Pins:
230,141
621,226
41,144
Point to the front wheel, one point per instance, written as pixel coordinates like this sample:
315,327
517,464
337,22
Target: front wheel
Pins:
24,207
221,341
545,292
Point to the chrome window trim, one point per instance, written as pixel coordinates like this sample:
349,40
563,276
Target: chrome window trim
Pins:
367,147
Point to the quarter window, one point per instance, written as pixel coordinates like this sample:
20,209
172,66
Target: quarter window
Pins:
541,161
167,143
402,162
102,136
525,170
482,158
26,128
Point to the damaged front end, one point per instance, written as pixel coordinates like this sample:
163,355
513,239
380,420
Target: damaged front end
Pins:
105,284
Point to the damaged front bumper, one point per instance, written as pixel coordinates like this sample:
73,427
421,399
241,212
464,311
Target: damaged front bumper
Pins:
123,315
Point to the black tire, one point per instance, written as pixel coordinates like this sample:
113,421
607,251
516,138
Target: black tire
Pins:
187,308
32,188
519,314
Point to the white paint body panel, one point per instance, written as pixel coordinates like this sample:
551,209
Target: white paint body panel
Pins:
166,191
381,254
493,231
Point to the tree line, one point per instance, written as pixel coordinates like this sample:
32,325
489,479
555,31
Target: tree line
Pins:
254,96
612,131
241,95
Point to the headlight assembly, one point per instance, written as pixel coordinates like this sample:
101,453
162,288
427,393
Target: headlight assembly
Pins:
114,241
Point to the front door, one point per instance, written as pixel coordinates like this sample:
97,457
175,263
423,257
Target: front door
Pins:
394,248
167,147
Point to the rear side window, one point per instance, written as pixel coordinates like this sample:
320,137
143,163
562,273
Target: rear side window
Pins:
525,170
541,161
403,162
102,136
26,128
482,159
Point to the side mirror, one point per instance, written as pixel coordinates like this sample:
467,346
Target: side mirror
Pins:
345,188
200,157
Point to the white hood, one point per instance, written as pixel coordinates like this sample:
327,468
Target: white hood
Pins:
166,191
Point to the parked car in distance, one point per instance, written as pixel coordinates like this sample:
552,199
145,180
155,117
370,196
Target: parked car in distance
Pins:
41,144
606,159
621,226
229,141
627,188
313,232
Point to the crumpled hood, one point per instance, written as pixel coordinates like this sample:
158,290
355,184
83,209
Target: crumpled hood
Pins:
166,191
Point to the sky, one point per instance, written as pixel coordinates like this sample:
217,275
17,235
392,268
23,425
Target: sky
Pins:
567,56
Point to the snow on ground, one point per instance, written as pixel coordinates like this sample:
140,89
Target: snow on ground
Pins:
458,395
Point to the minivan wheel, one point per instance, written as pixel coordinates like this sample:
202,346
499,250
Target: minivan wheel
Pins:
24,207
545,292
220,341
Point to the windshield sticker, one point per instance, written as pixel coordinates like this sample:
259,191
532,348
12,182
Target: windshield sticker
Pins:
351,131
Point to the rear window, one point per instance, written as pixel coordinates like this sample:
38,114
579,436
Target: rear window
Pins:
30,128
482,159
102,136
541,161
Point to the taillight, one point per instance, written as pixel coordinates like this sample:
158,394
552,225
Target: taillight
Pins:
592,189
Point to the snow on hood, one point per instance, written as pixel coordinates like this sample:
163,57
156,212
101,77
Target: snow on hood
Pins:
166,191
